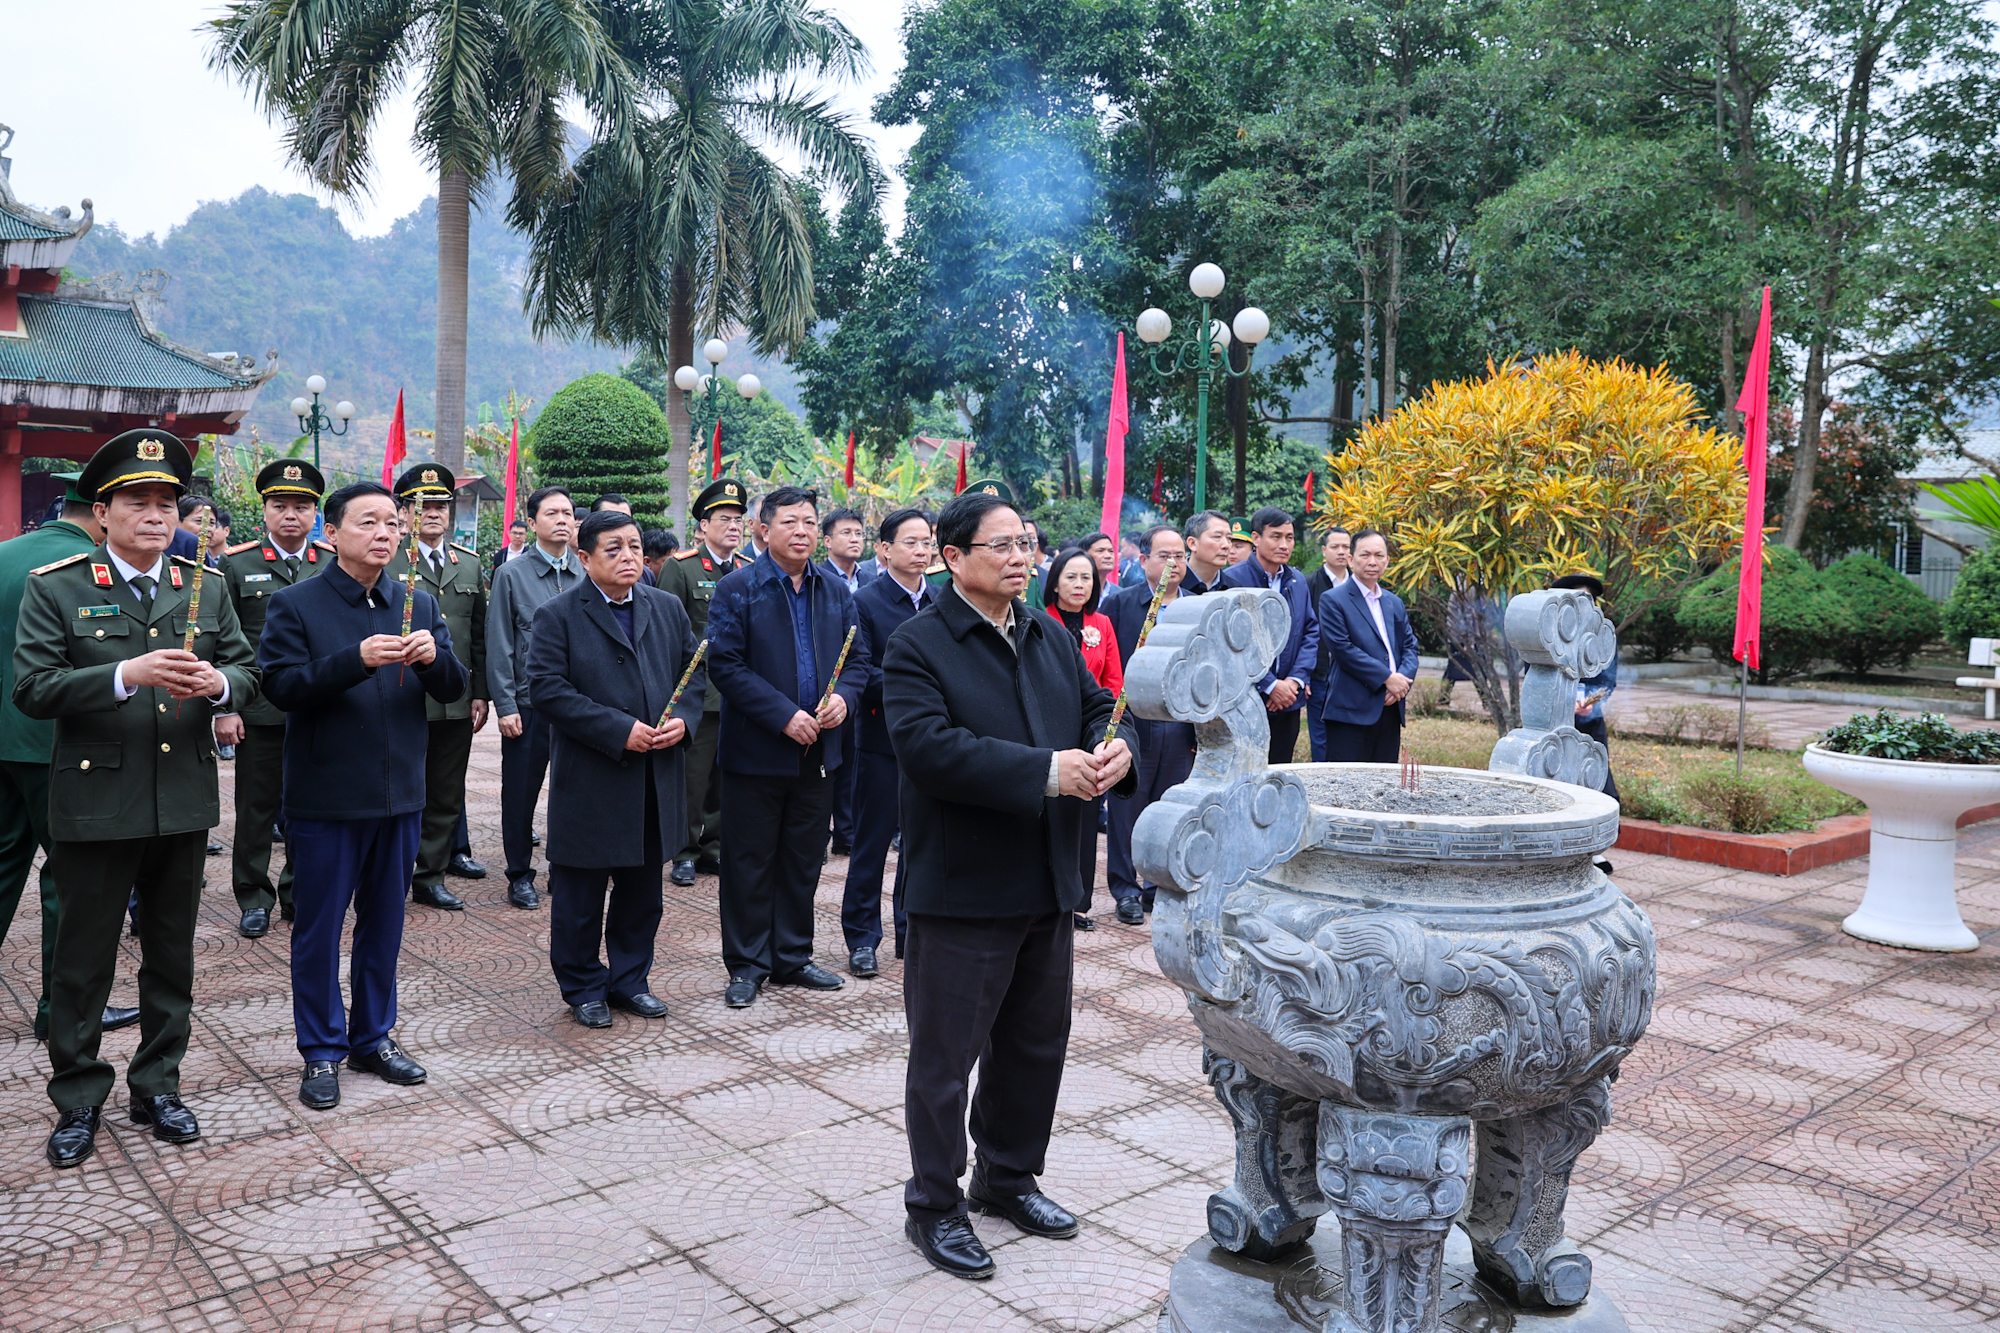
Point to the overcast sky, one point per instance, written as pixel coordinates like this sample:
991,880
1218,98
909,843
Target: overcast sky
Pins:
112,100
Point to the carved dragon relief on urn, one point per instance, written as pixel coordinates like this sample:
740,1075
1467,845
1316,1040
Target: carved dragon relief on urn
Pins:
1412,1002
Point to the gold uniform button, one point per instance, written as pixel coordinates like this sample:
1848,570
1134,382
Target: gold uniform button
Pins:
84,766
153,632
100,634
163,708
165,748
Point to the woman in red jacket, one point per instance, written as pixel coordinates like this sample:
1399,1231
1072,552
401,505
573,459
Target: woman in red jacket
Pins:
1070,593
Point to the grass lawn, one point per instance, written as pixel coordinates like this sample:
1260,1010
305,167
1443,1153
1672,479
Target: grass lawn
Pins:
1675,784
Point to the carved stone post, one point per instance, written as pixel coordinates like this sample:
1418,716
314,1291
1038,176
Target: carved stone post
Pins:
1275,1200
1563,637
1396,1181
1516,1219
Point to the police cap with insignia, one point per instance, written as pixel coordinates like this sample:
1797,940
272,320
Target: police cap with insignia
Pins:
1239,530
137,458
426,481
991,486
721,494
290,476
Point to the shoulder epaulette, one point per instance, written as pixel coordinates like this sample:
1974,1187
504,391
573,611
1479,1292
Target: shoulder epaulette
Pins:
241,547
58,564
191,564
688,554
938,568
467,549
327,546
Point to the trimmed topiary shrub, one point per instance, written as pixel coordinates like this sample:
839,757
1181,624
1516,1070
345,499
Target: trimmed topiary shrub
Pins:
602,433
1892,617
1804,619
1973,611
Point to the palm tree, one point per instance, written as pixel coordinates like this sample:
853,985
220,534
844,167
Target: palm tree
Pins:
489,75
699,228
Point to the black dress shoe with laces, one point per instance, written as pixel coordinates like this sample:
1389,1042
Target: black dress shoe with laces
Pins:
1083,922
319,1085
862,963
951,1245
256,923
464,867
521,893
683,873
75,1137
115,1018
438,896
171,1122
741,992
642,1005
810,977
592,1013
388,1063
1130,913
1034,1212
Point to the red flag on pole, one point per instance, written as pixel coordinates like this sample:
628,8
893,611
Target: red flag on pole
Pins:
963,445
397,448
1156,483
850,460
715,452
1309,497
1755,405
1116,425
513,477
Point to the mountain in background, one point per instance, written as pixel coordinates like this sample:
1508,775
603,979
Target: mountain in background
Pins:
265,270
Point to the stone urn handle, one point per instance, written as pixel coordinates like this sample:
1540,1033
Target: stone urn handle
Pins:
1563,637
1234,817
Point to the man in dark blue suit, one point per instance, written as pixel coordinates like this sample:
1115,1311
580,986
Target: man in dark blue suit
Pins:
775,631
905,545
1374,659
1284,686
844,534
336,659
1166,749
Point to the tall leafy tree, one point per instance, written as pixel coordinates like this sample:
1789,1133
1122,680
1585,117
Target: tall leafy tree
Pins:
699,229
490,77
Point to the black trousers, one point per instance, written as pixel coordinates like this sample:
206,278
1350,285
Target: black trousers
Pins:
1379,742
24,829
1597,731
1157,772
1086,862
994,991
844,779
260,773
703,779
773,835
579,920
1284,735
450,749
877,816
94,881
524,764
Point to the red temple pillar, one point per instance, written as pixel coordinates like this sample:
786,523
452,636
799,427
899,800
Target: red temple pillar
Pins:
10,482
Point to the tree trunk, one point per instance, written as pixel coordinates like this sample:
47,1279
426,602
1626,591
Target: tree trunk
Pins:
1392,312
454,225
680,426
1805,453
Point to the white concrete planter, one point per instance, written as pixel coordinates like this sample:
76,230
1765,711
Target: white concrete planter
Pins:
1912,897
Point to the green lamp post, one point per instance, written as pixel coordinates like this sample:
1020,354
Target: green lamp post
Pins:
1205,351
313,418
707,406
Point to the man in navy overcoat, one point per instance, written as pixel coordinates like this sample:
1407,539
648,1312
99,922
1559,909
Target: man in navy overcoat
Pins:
1374,659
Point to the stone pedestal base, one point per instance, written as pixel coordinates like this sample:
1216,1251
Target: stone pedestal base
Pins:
1214,1291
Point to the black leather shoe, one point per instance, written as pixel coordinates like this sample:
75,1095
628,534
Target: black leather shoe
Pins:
75,1138
643,1005
842,848
1130,913
812,977
1084,923
319,1085
741,992
41,1028
256,923
437,895
171,1122
464,867
951,1245
534,839
862,963
388,1063
1035,1213
288,912
592,1013
521,893
708,865
216,849
115,1018
683,873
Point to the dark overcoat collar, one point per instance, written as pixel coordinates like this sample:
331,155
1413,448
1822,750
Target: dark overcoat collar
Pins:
962,617
388,589
599,613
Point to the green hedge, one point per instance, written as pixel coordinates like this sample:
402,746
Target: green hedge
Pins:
602,433
1805,620
1974,609
1892,617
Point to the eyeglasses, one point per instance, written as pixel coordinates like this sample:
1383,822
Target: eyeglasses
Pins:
1006,546
915,543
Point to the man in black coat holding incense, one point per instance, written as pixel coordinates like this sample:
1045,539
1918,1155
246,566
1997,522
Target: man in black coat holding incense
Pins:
603,662
999,729
337,658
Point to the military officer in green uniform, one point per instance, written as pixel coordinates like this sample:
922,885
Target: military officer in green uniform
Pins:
252,573
450,573
25,742
691,576
132,786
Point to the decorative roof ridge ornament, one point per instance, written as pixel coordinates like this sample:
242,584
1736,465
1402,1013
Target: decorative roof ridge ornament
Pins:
142,297
59,222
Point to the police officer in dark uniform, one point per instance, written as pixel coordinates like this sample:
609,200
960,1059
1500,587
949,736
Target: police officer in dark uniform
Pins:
449,573
251,573
132,791
691,576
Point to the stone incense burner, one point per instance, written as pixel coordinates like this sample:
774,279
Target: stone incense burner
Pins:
1413,1002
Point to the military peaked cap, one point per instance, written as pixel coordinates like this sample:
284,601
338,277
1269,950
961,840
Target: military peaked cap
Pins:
427,481
134,459
720,494
991,486
290,476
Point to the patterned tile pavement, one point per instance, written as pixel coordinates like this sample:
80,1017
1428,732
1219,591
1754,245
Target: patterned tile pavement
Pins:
1808,1141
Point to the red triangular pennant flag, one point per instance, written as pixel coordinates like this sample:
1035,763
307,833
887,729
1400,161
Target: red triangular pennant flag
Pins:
715,452
397,447
1309,496
1755,405
850,460
1116,425
1156,483
513,479
963,446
